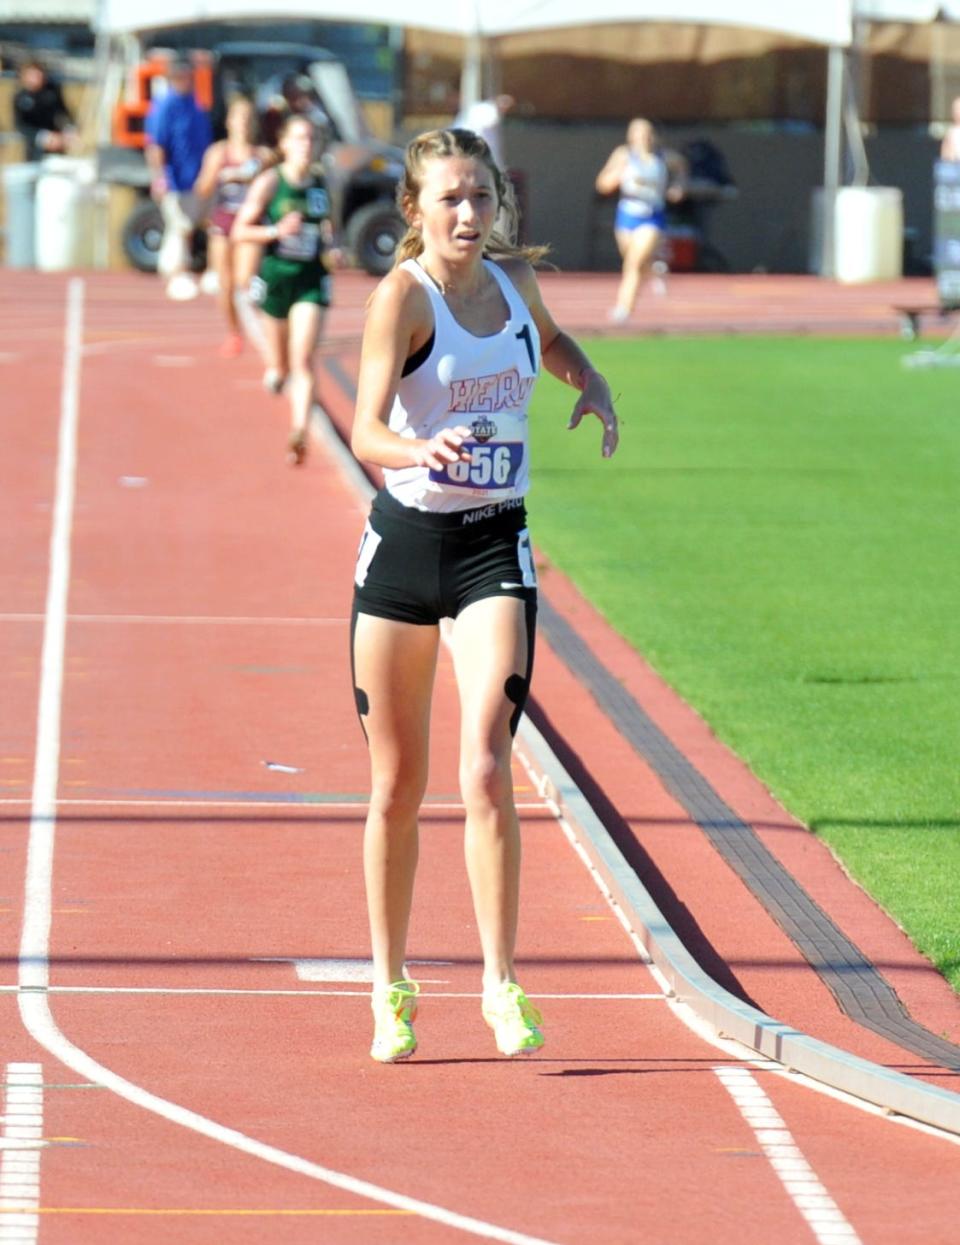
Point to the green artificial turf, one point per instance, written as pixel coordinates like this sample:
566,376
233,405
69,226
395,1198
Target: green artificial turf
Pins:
778,536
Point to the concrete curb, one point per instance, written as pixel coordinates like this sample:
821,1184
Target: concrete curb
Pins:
729,1016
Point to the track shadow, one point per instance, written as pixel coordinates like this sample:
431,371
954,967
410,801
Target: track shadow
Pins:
664,896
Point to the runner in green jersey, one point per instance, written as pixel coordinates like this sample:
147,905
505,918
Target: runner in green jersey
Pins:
287,210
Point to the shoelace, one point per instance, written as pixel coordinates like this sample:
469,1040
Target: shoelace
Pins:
509,1005
406,999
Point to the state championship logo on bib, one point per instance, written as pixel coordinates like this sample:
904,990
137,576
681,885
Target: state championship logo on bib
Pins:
483,429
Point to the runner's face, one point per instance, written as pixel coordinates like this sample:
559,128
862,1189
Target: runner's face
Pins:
297,143
640,135
456,207
240,121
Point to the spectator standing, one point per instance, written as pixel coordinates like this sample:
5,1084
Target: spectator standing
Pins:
485,119
41,116
178,134
297,95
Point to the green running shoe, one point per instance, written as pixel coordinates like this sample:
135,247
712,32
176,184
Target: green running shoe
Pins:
514,1020
394,1011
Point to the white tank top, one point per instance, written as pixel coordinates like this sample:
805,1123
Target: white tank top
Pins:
644,181
481,382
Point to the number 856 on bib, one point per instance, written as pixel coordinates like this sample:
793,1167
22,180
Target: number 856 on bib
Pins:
493,465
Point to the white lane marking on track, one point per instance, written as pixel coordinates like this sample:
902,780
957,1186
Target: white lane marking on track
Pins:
185,618
319,994
34,963
798,1178
261,805
21,1141
348,970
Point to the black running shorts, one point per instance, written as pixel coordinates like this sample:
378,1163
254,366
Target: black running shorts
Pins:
418,566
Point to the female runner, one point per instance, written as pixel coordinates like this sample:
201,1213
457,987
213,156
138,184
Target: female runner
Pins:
228,168
646,181
287,210
453,343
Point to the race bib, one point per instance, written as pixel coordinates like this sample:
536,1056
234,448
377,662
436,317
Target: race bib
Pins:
232,195
304,245
492,465
318,201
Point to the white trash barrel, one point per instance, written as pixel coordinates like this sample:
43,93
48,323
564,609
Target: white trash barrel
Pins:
65,218
20,192
868,233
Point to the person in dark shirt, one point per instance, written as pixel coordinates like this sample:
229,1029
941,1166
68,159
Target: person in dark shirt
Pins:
41,117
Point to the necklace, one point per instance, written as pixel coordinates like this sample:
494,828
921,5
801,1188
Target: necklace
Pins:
445,288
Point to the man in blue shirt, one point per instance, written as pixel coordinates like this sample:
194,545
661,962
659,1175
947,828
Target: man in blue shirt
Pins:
178,133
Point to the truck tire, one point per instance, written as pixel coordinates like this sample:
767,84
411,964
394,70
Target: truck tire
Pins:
373,232
142,235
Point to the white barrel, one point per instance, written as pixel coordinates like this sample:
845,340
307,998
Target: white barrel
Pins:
64,222
868,233
20,189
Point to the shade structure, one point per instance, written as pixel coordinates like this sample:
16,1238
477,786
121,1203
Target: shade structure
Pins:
82,11
906,10
820,21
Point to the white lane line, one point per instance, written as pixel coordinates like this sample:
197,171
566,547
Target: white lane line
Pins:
34,963
21,1141
798,1178
261,805
199,619
334,970
319,994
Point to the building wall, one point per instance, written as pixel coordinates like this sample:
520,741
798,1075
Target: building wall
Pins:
768,227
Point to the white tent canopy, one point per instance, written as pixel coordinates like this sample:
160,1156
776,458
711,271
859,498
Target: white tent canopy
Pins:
906,10
820,21
47,10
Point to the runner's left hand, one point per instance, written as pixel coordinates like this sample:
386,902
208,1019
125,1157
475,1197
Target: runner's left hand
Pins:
595,399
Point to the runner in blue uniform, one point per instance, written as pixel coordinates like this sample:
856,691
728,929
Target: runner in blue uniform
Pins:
453,344
644,179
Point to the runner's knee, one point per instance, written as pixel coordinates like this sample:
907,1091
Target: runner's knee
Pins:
485,781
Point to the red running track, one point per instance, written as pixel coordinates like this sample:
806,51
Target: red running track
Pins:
197,1069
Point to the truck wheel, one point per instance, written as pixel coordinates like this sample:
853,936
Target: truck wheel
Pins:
142,235
373,233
